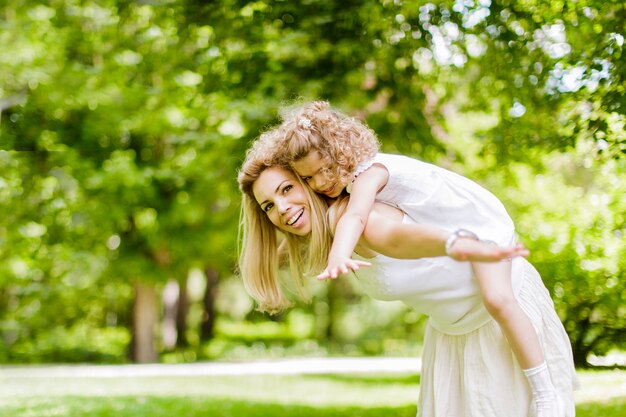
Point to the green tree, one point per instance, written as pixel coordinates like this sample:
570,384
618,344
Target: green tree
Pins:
123,124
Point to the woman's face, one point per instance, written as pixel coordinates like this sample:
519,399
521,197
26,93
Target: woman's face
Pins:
283,200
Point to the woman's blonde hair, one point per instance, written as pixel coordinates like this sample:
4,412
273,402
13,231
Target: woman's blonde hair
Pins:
259,258
343,141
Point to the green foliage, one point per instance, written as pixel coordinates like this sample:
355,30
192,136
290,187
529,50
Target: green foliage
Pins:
573,222
79,343
122,125
553,71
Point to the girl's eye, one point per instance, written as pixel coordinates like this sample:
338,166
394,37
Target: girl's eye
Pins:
306,179
268,207
287,188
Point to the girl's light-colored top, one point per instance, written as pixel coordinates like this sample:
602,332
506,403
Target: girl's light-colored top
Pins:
432,195
440,287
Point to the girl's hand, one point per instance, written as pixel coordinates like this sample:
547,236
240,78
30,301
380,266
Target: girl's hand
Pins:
467,249
342,267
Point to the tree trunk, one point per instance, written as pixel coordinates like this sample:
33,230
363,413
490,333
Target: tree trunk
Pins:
580,349
322,312
145,317
334,291
181,315
207,328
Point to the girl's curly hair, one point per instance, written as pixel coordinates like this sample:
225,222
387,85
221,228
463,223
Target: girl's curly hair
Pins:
343,141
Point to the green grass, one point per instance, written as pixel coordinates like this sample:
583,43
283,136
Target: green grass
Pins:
355,395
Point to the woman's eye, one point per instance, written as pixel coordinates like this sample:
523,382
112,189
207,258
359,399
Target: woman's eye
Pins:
268,207
287,188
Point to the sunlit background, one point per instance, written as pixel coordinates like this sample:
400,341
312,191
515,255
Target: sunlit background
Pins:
123,124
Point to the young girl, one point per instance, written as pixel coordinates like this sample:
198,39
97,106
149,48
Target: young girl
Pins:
468,368
333,152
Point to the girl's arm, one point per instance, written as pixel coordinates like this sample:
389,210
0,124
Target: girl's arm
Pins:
386,234
352,222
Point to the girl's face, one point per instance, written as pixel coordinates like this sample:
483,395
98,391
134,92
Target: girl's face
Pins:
283,199
314,169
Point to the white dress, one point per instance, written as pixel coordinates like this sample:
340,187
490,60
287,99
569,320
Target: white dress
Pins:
433,195
468,368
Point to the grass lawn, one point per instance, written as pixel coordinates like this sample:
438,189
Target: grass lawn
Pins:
356,395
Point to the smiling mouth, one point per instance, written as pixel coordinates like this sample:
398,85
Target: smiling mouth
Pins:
295,217
328,191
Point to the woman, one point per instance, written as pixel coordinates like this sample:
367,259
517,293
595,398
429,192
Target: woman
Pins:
468,367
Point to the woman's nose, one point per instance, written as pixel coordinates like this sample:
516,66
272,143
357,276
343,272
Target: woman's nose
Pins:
283,206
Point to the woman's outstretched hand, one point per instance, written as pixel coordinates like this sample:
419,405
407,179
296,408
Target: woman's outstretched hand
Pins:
467,249
342,267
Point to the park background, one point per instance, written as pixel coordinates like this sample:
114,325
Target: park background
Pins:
123,124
